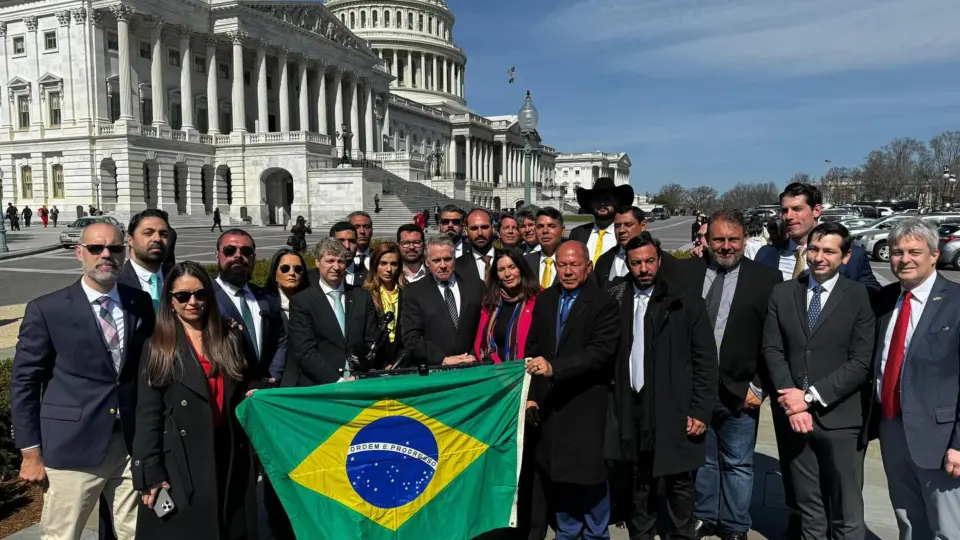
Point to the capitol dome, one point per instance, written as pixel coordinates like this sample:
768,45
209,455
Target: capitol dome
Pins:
415,39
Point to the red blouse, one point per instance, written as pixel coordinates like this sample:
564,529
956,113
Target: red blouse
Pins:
216,391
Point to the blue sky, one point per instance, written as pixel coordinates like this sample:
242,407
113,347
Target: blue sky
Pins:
715,92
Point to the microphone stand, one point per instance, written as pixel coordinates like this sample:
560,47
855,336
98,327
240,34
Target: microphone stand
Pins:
422,369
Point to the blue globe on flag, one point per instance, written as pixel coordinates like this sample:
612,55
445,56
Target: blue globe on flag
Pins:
391,461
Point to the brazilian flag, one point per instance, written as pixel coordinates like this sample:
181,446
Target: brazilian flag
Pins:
406,457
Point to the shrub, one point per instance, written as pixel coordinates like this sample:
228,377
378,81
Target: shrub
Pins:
9,456
682,254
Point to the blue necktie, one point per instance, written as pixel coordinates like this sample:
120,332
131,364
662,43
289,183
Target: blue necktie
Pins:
566,300
813,312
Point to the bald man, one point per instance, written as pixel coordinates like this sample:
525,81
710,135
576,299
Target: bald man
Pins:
74,390
571,349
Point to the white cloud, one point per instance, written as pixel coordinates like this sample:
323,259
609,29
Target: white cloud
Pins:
782,38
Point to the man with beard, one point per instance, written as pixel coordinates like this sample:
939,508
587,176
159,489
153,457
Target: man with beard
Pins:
148,237
737,292
346,234
451,224
363,224
629,222
543,262
602,202
509,232
665,384
410,240
479,255
258,312
527,221
74,390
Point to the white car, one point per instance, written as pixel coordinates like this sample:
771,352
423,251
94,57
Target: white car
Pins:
874,240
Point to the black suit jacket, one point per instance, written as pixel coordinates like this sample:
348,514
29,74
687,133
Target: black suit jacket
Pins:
65,392
428,332
171,259
670,268
573,403
533,260
273,356
581,232
741,351
466,264
128,276
835,355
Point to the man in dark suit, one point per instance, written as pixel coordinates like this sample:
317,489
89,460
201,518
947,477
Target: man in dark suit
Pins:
148,239
346,234
329,321
439,314
571,347
916,384
543,262
602,201
737,292
74,389
451,220
479,256
258,312
527,221
665,384
817,343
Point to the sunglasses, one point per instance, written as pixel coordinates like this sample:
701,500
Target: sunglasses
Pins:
451,221
96,249
230,251
183,297
285,269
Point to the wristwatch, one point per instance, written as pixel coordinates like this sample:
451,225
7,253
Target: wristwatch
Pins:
808,397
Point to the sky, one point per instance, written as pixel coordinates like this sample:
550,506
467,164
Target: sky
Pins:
716,92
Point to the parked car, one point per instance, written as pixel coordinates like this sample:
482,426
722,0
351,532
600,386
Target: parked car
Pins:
837,214
660,213
852,223
70,236
950,245
874,241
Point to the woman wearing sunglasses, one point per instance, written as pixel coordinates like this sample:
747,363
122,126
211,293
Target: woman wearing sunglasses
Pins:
196,369
384,283
287,277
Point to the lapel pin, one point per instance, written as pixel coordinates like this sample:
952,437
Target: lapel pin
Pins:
937,298
945,329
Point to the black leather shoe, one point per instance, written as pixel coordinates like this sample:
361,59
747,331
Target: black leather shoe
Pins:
736,536
704,528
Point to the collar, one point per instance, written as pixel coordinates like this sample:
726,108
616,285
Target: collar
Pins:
143,273
477,255
232,289
93,295
922,291
637,291
545,257
419,273
564,293
827,287
791,246
621,253
327,289
452,281
608,228
351,268
365,253
711,265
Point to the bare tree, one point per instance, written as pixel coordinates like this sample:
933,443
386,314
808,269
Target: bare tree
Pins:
803,178
837,186
702,199
944,154
671,196
743,196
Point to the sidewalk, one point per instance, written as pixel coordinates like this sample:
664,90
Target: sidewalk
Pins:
33,239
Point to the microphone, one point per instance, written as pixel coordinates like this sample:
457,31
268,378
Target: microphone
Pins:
381,334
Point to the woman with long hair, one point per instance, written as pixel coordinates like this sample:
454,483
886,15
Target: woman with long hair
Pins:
287,276
384,282
507,309
195,370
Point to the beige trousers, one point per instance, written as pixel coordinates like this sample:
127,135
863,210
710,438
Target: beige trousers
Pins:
73,494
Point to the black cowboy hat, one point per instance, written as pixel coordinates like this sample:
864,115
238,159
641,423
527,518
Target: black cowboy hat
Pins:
604,184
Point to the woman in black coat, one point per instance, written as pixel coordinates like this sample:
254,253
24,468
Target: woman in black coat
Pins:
385,283
195,370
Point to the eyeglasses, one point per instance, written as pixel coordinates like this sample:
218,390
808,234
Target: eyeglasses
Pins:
411,243
183,297
97,249
451,222
285,269
230,251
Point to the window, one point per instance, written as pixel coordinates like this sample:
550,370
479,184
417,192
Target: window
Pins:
353,20
115,107
376,19
576,172
19,46
23,108
58,181
50,40
113,43
223,70
173,57
410,21
226,122
203,122
420,23
363,19
26,182
145,50
399,19
386,19
55,103
269,82
246,77
146,112
199,64
176,118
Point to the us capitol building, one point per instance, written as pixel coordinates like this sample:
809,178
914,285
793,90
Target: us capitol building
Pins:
187,105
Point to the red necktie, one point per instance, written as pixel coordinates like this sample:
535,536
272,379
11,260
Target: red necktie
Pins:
890,392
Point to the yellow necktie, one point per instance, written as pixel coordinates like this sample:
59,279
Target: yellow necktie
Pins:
801,264
597,251
547,279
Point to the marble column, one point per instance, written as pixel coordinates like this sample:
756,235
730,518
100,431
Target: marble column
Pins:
158,90
468,162
394,70
504,152
463,80
322,99
452,156
385,131
238,96
338,99
123,13
354,114
213,99
435,84
186,79
304,103
284,102
456,80
423,70
445,87
368,113
263,111
408,71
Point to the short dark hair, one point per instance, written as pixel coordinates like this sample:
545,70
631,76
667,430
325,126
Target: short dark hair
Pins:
641,240
358,213
637,212
505,217
810,192
240,232
454,208
833,228
729,215
148,213
525,212
409,228
479,209
550,212
341,226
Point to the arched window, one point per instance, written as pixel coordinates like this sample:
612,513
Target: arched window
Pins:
343,18
410,21
420,22
376,19
430,20
399,20
386,18
363,19
26,182
57,173
353,19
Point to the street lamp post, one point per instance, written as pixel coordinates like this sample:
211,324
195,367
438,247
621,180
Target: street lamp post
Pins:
527,118
3,231
949,178
437,158
345,136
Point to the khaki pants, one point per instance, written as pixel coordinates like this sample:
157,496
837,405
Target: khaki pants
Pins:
73,494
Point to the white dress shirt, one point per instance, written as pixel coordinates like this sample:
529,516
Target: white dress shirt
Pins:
454,286
543,267
481,266
144,276
364,257
350,276
458,249
327,289
421,273
619,267
231,291
609,240
918,301
825,289
637,364
116,309
788,259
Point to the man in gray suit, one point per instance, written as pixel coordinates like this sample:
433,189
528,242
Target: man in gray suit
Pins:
917,382
817,344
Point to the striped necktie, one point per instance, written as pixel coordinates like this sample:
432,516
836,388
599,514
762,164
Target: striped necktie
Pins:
111,335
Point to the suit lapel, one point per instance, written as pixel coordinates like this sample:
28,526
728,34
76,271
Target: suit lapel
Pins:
836,296
229,309
800,299
264,316
131,318
194,377
326,311
347,312
88,322
440,302
930,312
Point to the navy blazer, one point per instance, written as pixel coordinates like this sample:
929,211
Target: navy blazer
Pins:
66,393
858,269
273,355
930,375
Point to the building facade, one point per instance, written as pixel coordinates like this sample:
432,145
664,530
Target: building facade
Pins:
190,105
